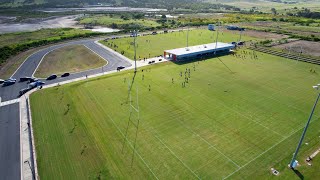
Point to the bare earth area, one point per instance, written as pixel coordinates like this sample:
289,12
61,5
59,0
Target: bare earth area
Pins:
74,58
307,47
263,35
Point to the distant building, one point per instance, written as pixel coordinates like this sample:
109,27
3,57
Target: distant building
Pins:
211,27
193,52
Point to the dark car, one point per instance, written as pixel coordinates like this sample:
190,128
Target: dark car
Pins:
154,33
65,74
8,83
51,77
36,84
33,80
240,43
23,91
1,81
23,79
120,67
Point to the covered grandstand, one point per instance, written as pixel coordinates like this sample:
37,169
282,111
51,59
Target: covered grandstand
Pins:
198,51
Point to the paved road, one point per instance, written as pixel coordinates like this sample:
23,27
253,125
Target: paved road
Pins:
10,142
9,114
30,65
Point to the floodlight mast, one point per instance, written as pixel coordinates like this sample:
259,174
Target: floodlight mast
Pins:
135,34
188,36
217,37
305,128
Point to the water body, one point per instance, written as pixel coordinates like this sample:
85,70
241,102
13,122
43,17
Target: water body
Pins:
36,24
110,9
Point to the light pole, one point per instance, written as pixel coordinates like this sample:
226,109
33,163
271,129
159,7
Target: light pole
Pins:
217,37
188,37
292,163
135,34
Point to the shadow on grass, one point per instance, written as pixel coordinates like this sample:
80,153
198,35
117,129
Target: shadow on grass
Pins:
204,58
298,173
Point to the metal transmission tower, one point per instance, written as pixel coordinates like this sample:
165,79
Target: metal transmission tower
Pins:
134,119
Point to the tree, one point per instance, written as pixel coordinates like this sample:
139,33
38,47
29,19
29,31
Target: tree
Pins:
273,10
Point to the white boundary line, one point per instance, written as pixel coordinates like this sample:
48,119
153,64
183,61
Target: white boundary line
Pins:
41,60
209,144
96,54
177,157
265,151
24,62
132,148
131,145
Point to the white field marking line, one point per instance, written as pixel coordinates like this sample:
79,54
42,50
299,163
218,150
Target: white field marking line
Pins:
257,122
247,117
96,54
129,143
277,92
5,103
42,59
24,62
114,52
132,148
212,146
266,151
176,156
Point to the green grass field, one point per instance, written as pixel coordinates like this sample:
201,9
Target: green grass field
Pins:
42,34
74,58
156,44
235,119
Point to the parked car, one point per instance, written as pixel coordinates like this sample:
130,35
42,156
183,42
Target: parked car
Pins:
120,67
23,91
23,79
12,79
65,74
154,33
8,83
51,77
1,81
240,43
33,80
35,84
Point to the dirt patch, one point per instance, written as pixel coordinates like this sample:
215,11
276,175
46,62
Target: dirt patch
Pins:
263,35
307,47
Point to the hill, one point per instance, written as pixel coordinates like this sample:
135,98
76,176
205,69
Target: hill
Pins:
77,3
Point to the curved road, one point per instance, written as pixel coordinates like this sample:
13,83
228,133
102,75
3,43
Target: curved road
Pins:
10,167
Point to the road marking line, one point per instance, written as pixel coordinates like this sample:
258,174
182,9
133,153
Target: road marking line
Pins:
5,103
96,53
24,62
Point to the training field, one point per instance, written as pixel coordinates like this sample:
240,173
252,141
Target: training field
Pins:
154,45
235,119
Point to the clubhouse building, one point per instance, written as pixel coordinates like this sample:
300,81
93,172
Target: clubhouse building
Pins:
193,52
